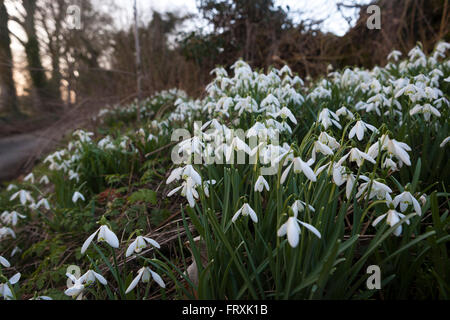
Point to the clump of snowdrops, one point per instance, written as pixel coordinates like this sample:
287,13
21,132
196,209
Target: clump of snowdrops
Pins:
286,191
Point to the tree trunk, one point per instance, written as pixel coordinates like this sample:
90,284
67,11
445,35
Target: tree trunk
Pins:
138,60
37,73
55,51
8,95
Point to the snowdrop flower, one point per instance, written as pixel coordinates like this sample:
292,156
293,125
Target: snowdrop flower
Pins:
297,80
104,234
328,140
175,175
236,145
405,199
139,244
144,274
350,182
340,176
319,170
206,185
395,55
414,92
15,250
44,180
393,147
11,218
319,92
193,145
260,184
292,228
322,148
399,149
256,130
140,132
392,218
343,111
29,178
5,231
328,117
285,71
423,199
427,110
4,262
444,142
185,173
187,190
11,187
441,47
270,102
224,104
5,289
74,176
76,196
189,172
373,104
360,128
245,210
380,190
284,126
24,196
286,113
432,93
356,155
42,202
219,72
299,206
91,276
246,104
76,290
375,86
214,123
83,135
389,163
299,166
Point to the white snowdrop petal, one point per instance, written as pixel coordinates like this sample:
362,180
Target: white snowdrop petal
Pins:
134,283
88,242
282,230
157,279
100,278
111,238
311,228
285,173
15,278
131,248
292,232
152,242
4,262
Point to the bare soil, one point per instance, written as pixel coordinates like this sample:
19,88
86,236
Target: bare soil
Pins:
22,144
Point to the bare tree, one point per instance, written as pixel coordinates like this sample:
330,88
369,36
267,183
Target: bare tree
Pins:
37,72
8,96
45,98
138,59
51,17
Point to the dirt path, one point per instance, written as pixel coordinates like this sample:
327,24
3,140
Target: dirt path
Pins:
19,153
16,151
